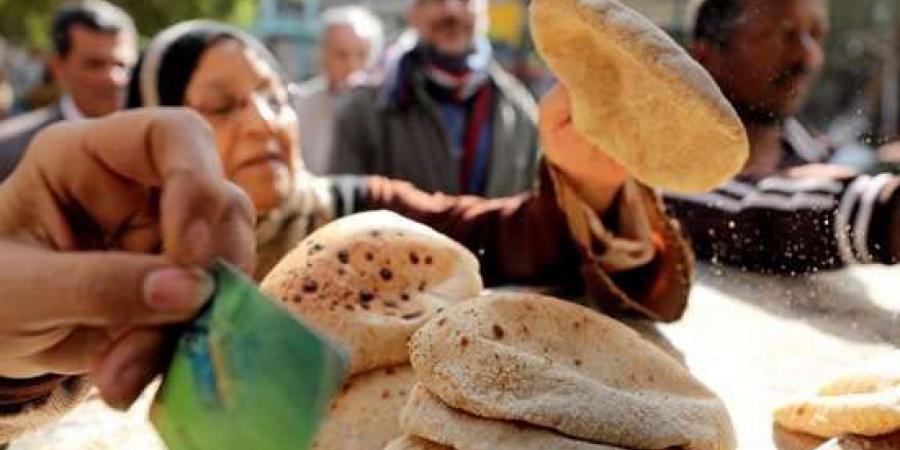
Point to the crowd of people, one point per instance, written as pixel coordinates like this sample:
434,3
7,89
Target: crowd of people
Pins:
243,164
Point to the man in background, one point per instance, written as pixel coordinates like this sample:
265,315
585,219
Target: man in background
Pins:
789,211
94,50
445,117
352,40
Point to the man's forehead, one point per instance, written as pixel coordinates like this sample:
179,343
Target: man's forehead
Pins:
85,39
773,9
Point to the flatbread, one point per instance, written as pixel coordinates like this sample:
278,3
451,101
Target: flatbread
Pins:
638,96
372,279
878,375
425,416
414,443
366,414
557,365
864,401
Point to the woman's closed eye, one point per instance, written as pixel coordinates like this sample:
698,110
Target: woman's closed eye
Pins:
220,108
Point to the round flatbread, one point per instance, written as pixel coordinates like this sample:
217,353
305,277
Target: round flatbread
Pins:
372,279
414,443
638,96
557,365
865,401
425,416
366,414
878,375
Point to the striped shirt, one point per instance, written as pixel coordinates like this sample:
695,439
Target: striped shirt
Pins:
793,225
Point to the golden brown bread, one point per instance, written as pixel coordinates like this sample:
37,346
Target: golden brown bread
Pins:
557,365
864,401
365,415
638,96
427,417
414,443
372,279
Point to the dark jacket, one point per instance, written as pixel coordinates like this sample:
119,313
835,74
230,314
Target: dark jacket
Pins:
794,225
16,134
374,136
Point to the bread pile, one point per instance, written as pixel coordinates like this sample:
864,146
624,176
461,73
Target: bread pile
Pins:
524,372
369,281
638,96
863,402
492,372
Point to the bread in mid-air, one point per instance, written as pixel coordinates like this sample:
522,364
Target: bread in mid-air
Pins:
638,96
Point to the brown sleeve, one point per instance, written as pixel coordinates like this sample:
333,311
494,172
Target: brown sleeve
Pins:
529,239
520,239
634,259
29,404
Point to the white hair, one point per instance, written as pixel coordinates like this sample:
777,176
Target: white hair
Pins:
363,22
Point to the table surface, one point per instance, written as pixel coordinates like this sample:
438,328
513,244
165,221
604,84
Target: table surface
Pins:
754,340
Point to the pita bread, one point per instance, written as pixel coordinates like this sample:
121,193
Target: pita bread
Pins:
557,365
372,279
366,414
865,401
878,375
414,443
425,416
638,96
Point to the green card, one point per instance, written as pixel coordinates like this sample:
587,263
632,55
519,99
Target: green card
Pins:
246,375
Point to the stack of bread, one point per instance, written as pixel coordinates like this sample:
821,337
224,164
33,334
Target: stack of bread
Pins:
859,408
369,281
526,372
491,372
517,371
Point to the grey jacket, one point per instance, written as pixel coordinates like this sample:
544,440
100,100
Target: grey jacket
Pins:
373,136
16,134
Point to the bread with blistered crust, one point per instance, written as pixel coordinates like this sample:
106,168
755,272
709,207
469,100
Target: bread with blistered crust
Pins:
557,365
414,443
370,280
365,415
427,417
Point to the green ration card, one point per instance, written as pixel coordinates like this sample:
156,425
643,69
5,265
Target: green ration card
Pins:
246,375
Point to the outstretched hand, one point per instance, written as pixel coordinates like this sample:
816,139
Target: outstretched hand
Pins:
105,229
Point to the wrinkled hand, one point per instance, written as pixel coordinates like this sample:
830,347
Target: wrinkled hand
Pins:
595,176
104,230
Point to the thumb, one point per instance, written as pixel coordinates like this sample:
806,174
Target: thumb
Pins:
44,289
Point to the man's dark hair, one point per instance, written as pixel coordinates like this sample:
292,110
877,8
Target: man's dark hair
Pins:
96,15
715,21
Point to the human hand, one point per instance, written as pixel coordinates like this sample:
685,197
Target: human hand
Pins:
105,229
595,176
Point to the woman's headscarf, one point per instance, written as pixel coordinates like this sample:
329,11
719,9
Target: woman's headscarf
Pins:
161,79
167,65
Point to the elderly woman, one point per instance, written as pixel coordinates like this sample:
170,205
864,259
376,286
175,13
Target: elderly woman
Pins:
588,226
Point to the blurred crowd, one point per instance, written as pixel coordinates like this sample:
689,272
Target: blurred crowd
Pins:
434,108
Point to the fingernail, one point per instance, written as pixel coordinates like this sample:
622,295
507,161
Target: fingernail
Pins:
178,290
198,237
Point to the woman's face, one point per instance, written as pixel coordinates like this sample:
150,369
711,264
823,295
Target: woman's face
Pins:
247,105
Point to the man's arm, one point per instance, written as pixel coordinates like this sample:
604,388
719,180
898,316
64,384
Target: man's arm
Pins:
794,225
630,259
